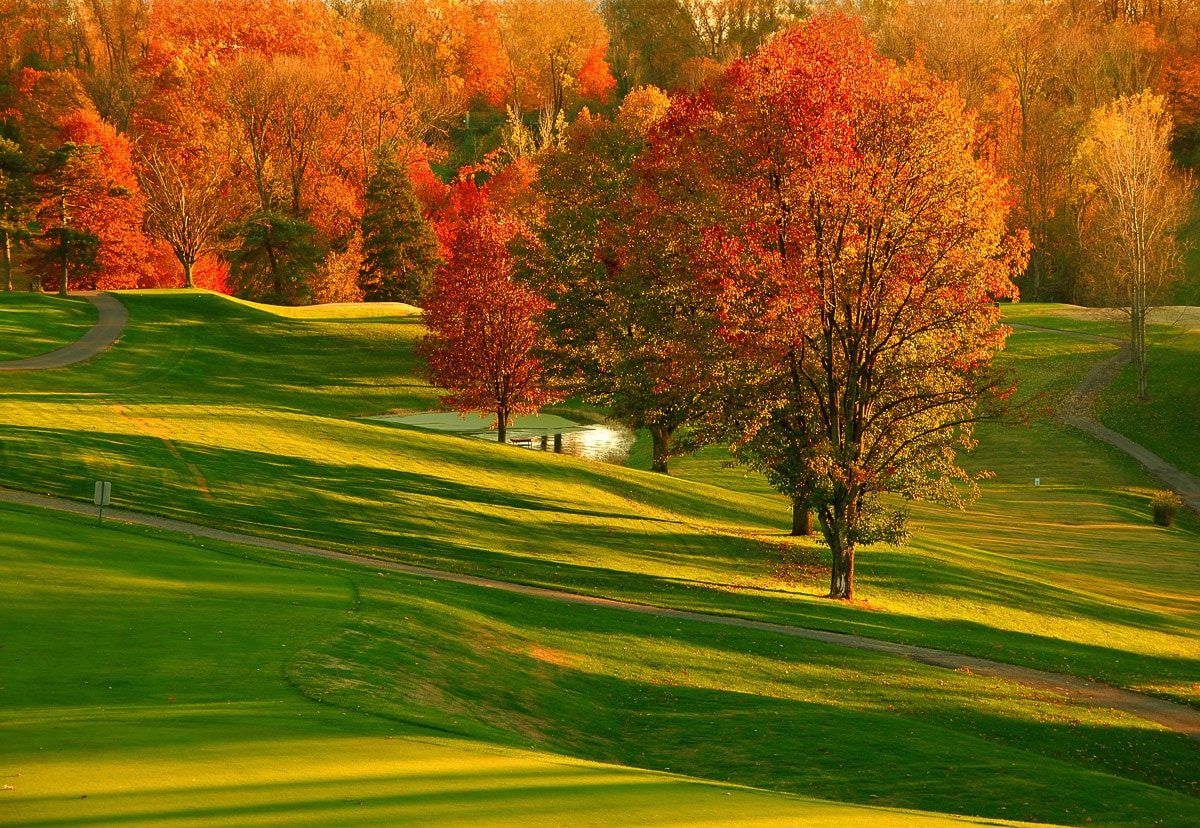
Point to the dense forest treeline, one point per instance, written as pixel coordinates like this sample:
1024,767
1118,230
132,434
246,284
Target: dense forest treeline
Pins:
237,144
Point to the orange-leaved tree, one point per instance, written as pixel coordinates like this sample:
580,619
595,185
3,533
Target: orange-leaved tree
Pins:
857,266
483,324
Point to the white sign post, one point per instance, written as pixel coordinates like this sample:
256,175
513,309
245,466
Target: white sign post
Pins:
102,498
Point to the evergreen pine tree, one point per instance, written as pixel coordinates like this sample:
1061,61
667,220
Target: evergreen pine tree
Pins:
17,200
400,250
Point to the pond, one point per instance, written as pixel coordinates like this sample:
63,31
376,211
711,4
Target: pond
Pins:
605,442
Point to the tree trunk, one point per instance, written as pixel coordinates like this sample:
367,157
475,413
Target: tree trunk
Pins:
841,573
662,441
1137,339
7,262
66,248
501,425
187,275
802,522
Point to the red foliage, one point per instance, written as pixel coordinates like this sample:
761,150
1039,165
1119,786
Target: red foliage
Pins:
856,248
483,324
211,273
511,189
595,79
114,211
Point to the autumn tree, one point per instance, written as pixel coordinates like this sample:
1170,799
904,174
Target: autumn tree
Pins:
615,261
483,326
1138,203
188,207
649,42
17,201
728,29
112,38
399,248
857,273
548,44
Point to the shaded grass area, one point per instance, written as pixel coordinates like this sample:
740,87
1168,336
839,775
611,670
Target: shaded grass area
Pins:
747,707
1169,422
214,412
146,680
35,323
1187,291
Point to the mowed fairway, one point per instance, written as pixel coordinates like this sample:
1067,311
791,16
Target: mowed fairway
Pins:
146,681
228,415
33,323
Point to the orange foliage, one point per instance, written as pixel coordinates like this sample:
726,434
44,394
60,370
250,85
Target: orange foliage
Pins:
115,216
1181,80
595,79
482,62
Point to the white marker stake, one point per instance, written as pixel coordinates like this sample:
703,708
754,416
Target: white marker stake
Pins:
102,498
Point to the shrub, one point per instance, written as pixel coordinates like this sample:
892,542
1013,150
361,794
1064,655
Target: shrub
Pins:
1165,505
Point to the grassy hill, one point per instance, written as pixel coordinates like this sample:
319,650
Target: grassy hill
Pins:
34,323
230,415
148,680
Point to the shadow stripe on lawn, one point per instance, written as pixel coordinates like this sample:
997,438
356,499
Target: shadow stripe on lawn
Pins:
1176,717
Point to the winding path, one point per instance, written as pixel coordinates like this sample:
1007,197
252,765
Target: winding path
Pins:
1177,717
1076,409
109,326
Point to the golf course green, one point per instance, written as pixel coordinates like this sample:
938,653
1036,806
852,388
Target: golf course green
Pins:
169,679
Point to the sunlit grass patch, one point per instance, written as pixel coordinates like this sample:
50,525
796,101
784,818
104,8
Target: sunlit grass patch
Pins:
147,681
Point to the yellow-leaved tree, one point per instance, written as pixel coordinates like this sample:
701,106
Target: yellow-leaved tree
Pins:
1135,202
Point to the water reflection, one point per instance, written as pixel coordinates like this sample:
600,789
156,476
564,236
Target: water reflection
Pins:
607,443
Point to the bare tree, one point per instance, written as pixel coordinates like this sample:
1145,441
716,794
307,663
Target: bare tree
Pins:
189,208
1136,204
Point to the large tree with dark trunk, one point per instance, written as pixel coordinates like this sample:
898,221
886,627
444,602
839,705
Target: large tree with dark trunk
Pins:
857,265
189,204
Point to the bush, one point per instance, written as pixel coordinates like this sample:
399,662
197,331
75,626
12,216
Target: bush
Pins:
1165,505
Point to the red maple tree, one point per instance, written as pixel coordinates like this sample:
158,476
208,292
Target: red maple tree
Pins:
483,325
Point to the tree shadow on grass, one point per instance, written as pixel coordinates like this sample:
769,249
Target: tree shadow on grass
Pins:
521,670
456,525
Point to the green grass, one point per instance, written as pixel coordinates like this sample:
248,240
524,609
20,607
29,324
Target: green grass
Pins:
1169,422
211,411
225,414
150,680
1066,318
746,707
35,323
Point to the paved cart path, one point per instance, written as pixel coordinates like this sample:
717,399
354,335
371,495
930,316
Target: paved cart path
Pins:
100,337
1076,409
1177,717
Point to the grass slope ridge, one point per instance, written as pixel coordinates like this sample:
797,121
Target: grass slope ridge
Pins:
146,681
214,412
